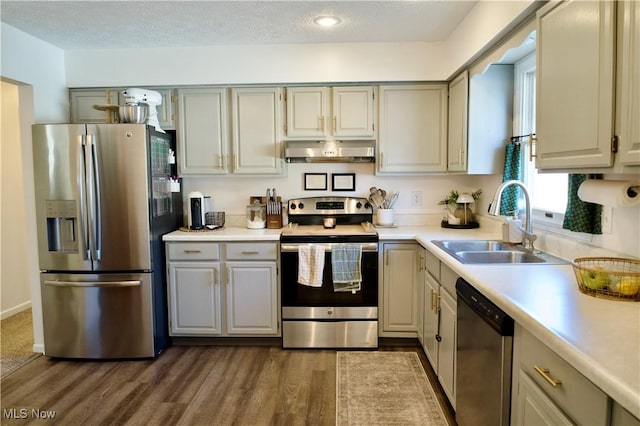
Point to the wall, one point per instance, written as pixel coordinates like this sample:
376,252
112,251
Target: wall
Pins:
31,61
344,62
231,194
13,252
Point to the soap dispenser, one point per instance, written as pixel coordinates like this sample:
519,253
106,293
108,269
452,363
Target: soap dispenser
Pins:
512,229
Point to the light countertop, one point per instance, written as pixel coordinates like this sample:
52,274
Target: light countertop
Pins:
598,337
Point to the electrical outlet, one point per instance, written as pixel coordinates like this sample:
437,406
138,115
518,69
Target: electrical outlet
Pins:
416,198
607,220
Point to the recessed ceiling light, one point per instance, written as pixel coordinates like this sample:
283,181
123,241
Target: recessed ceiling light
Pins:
327,21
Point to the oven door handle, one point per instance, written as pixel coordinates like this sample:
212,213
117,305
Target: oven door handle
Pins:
293,248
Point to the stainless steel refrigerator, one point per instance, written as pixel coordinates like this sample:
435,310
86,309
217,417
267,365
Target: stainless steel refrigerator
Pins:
103,203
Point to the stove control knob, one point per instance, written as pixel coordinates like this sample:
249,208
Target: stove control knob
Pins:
300,206
359,205
367,205
293,206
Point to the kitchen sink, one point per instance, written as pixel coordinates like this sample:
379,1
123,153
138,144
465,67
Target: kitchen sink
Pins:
506,256
494,252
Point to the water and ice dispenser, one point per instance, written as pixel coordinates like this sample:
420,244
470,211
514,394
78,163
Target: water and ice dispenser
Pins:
62,225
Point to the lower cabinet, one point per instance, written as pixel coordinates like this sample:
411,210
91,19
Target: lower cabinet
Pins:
399,288
439,322
194,298
223,289
546,390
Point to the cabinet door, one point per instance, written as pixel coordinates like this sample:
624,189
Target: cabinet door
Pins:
256,118
413,129
628,83
534,408
353,111
430,319
82,102
307,112
447,345
458,124
194,298
252,298
202,136
400,288
575,84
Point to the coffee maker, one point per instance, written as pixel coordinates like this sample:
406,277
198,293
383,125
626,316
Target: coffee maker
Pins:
196,218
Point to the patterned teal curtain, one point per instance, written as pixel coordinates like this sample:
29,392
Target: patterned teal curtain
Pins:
581,216
512,171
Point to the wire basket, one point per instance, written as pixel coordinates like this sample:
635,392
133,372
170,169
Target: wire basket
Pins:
214,218
608,277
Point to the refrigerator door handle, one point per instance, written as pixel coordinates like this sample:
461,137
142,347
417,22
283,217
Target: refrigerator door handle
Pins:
134,283
94,200
82,191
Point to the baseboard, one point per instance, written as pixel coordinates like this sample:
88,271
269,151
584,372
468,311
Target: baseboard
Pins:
38,348
15,310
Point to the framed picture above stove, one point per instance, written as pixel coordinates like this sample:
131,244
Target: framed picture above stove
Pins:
343,182
315,181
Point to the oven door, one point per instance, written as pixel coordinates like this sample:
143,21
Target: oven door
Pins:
298,295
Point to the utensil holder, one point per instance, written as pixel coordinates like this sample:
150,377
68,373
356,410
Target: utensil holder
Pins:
274,220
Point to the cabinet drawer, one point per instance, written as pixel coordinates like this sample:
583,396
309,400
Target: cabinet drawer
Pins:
448,279
193,251
432,263
252,251
583,401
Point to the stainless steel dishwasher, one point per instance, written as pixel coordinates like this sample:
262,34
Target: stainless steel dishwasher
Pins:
484,350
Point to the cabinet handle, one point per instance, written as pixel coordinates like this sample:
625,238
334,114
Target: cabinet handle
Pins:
335,124
434,301
321,123
460,153
544,372
532,138
220,160
191,251
250,252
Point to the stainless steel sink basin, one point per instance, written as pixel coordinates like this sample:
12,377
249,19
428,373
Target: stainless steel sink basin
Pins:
511,256
494,252
473,245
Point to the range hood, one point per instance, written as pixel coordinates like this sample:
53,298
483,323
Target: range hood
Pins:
362,151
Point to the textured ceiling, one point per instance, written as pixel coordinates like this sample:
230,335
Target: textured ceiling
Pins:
145,24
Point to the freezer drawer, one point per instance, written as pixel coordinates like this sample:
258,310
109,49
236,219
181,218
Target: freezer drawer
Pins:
97,316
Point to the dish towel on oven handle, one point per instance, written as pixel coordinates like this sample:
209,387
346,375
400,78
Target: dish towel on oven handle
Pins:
346,266
310,264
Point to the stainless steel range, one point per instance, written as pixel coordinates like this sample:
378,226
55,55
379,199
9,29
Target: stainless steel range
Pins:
328,239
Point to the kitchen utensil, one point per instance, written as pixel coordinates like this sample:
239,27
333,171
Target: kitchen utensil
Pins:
376,199
393,199
133,113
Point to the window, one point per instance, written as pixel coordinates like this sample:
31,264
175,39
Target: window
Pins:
548,191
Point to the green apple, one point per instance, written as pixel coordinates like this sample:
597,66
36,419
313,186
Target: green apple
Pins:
595,278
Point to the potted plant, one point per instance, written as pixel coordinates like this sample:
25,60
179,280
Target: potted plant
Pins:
461,212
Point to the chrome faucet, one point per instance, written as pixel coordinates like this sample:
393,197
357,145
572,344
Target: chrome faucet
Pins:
528,237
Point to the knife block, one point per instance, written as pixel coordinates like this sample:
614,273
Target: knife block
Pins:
274,221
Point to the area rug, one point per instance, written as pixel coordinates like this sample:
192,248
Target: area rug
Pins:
16,347
384,388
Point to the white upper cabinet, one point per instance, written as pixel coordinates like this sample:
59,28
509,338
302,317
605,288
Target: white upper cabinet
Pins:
342,112
575,84
412,134
628,84
353,112
307,112
202,132
256,136
83,100
458,125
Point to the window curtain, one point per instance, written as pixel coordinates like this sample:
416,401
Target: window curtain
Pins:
581,216
512,171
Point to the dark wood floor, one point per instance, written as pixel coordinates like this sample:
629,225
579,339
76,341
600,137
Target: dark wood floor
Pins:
185,385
